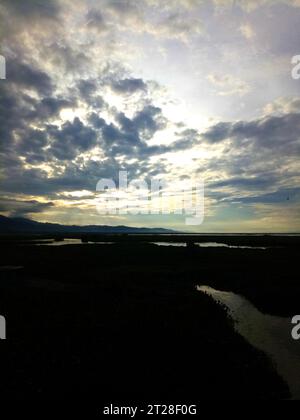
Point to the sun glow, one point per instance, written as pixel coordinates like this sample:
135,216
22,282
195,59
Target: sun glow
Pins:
69,114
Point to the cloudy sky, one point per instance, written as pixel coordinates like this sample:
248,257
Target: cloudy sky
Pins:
176,90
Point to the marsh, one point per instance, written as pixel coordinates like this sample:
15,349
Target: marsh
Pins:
126,318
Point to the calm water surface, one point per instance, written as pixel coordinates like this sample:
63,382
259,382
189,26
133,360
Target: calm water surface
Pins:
271,334
208,245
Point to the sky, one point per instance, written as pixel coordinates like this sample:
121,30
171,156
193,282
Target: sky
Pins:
174,91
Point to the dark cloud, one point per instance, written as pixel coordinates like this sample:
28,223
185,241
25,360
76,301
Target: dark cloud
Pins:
32,144
129,136
129,86
259,161
281,196
76,175
53,144
18,111
218,132
22,208
26,75
25,21
88,91
51,106
70,140
125,9
186,140
95,20
271,132
96,121
245,183
66,58
149,120
87,88
32,8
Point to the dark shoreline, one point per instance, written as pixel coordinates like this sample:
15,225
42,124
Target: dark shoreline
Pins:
266,240
126,319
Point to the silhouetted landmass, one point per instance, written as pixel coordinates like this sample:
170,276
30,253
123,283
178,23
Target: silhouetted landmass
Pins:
20,225
124,321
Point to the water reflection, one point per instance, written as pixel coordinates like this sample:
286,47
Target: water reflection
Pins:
221,245
208,245
177,244
268,333
73,242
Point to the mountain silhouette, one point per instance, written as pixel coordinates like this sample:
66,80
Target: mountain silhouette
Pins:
13,225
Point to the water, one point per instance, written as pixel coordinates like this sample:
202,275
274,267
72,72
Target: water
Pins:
209,245
72,242
172,244
221,245
65,242
268,333
177,244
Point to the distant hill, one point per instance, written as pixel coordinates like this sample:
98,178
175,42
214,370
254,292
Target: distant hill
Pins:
18,225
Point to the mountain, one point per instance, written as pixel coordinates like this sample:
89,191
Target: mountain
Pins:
17,225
